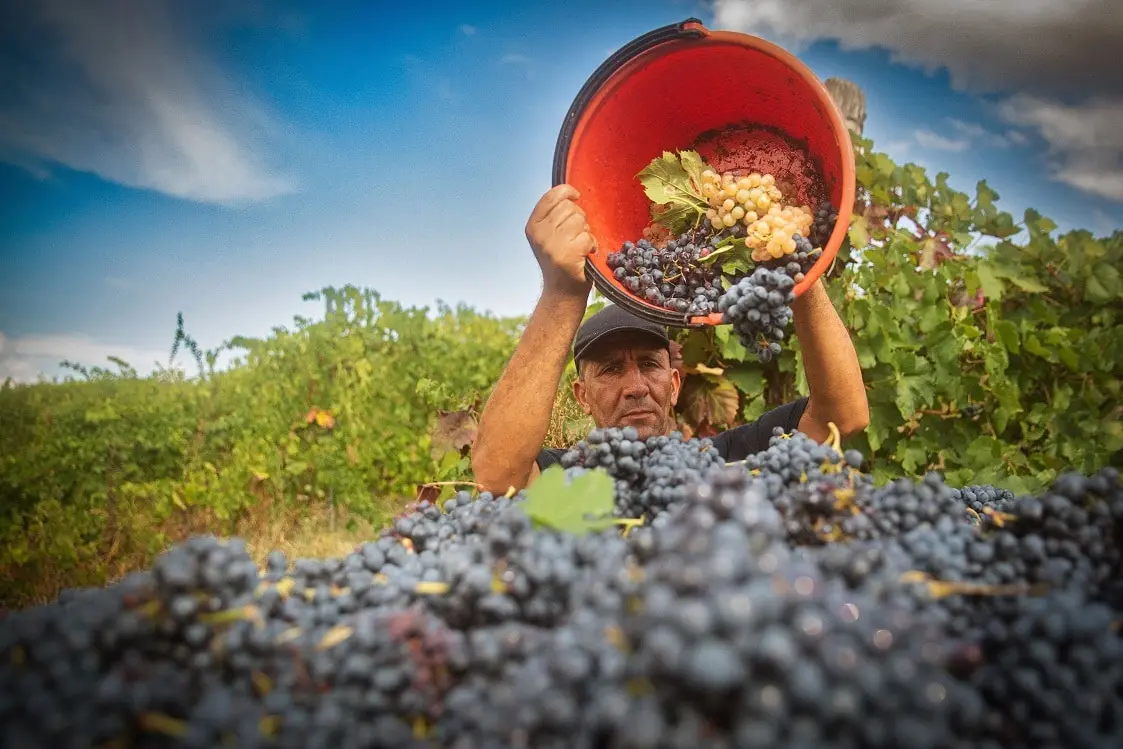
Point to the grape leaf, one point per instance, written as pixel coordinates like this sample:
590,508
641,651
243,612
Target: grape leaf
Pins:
580,506
710,400
663,173
721,251
735,266
453,431
859,233
992,285
677,217
668,184
693,165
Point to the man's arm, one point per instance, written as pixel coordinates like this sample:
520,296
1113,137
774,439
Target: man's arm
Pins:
830,362
514,421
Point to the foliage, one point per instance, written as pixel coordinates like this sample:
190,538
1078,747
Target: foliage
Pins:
990,358
343,410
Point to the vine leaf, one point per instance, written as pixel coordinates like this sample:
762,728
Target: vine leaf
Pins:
578,506
675,191
453,432
709,401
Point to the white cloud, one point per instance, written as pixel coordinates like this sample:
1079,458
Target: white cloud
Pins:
1085,140
928,139
899,148
976,134
467,29
1043,56
120,89
523,62
27,358
959,135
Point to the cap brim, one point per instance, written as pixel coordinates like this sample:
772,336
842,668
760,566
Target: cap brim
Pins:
663,339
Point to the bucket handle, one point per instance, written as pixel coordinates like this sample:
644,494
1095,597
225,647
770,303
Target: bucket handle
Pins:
690,28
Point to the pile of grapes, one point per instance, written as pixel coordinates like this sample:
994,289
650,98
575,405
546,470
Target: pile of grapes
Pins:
784,601
714,240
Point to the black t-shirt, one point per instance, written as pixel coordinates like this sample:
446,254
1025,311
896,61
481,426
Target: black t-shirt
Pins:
733,444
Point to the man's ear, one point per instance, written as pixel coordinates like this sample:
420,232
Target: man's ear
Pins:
676,386
581,395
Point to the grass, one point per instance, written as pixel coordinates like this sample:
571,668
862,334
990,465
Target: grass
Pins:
309,531
568,423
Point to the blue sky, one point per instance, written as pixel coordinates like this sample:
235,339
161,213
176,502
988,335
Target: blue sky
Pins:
222,159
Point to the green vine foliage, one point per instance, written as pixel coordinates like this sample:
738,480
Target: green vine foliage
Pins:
339,410
992,350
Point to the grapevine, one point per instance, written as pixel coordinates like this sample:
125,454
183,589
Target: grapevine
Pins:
716,242
642,594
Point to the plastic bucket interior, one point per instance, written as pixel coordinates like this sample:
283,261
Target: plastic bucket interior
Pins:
742,102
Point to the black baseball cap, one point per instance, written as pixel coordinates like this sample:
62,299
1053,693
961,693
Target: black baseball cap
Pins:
614,319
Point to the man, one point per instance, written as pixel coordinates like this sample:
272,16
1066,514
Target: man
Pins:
625,377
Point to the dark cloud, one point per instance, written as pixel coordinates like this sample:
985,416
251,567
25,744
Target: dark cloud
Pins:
1055,65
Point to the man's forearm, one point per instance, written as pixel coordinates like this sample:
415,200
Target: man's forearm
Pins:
514,421
830,362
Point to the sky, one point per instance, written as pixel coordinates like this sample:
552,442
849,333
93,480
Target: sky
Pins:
220,159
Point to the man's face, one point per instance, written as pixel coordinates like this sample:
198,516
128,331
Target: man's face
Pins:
627,380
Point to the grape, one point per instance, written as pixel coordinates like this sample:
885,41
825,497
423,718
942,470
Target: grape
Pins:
784,600
759,308
825,217
673,277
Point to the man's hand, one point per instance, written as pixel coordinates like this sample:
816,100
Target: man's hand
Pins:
559,235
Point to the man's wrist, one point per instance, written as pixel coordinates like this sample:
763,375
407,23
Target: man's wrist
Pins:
811,298
565,297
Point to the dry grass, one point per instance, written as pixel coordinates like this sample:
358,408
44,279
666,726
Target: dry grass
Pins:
568,423
312,531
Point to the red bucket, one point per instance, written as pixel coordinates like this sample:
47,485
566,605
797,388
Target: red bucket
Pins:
744,104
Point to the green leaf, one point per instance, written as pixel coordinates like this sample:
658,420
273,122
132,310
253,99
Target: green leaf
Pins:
1103,285
992,285
1034,346
580,506
1069,358
666,180
693,165
1007,333
859,233
749,380
911,393
1016,277
729,346
931,318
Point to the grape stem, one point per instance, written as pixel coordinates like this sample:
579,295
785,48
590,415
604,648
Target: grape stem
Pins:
835,440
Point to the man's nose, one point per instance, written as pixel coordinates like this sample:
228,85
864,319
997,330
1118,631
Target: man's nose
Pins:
635,386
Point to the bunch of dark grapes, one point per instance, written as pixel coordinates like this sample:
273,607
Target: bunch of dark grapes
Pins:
651,475
759,308
734,635
984,497
782,601
1051,671
671,466
672,277
825,217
